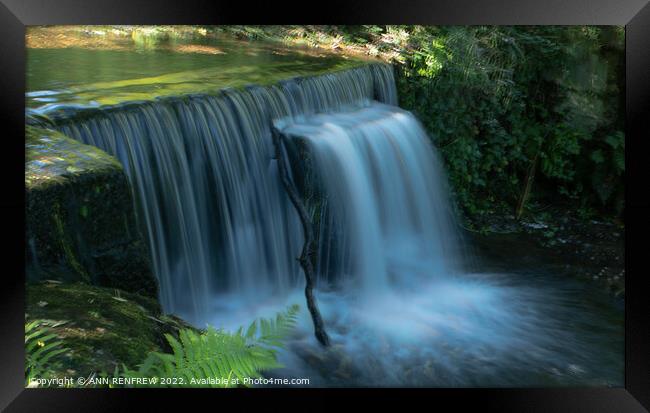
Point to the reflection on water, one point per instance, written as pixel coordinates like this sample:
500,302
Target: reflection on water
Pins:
101,76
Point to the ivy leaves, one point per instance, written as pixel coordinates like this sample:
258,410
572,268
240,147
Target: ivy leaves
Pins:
495,98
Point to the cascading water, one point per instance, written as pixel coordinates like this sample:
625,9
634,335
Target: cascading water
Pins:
409,312
214,213
385,194
403,310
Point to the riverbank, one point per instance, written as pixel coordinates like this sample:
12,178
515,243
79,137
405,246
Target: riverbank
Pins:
591,249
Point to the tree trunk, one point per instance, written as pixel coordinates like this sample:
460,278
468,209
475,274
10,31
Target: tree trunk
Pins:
304,259
530,177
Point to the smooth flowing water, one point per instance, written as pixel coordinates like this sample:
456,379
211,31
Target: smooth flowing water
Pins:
203,171
387,207
400,300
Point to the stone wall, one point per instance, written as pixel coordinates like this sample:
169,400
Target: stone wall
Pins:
80,223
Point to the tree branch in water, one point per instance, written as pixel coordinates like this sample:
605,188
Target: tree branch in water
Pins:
304,259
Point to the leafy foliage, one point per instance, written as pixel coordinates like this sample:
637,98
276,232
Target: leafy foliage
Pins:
219,354
497,99
41,348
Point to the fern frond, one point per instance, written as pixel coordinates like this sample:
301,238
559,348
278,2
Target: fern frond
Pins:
272,332
40,348
218,355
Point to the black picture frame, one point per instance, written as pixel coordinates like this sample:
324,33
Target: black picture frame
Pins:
15,15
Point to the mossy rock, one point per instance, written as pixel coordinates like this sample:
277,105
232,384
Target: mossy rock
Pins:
102,328
80,218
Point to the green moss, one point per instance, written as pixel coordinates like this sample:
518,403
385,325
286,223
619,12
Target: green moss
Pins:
53,158
102,327
80,219
62,237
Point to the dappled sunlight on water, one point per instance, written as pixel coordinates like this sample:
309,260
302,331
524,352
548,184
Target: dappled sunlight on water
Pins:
109,71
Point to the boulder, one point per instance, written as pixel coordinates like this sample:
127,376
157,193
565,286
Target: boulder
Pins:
80,221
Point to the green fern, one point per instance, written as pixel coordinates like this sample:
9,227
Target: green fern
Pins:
41,347
272,332
217,354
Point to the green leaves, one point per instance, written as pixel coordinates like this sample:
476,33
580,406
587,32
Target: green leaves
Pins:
616,140
597,156
41,348
215,357
498,96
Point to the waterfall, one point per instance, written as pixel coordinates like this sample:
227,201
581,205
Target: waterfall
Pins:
209,201
386,197
224,238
